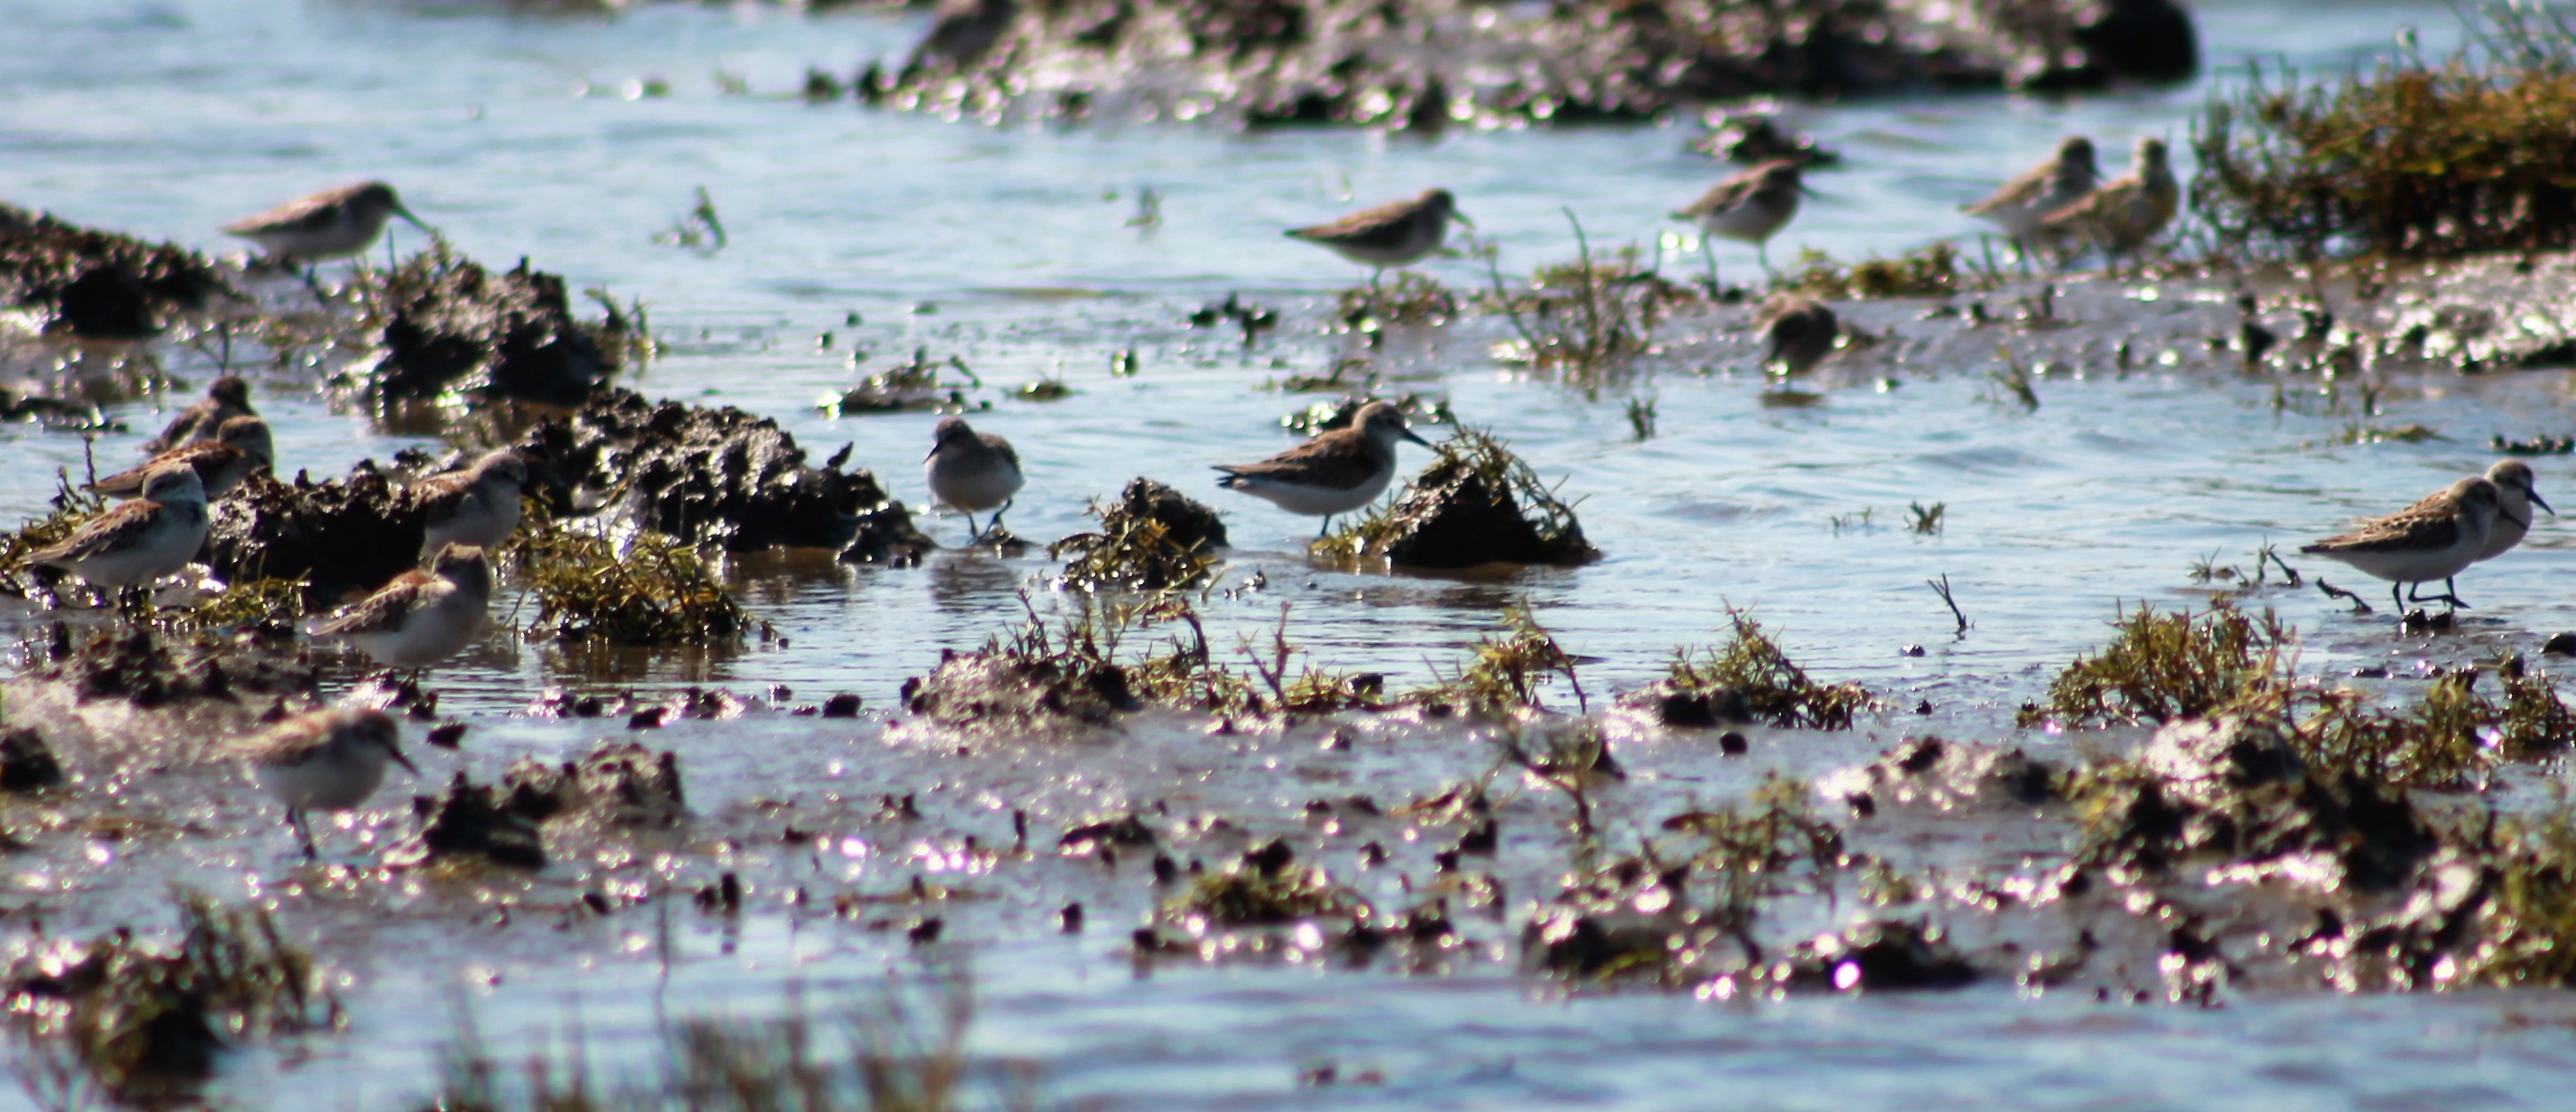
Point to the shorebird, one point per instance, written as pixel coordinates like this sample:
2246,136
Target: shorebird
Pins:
1750,207
2515,496
478,506
1801,332
1334,473
325,225
2018,208
1395,234
240,449
136,542
2436,538
2127,211
971,472
421,617
324,760
226,398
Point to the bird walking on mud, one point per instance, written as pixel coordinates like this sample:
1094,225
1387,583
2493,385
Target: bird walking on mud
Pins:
477,507
2053,186
324,760
134,543
2436,538
328,225
1750,207
1396,234
2124,213
239,450
971,472
226,398
420,618
1334,473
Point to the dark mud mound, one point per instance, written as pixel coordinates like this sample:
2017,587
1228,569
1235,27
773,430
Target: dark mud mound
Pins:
1946,776
1007,691
1152,538
718,476
465,825
148,670
1425,64
97,285
1477,504
341,536
26,763
450,325
620,784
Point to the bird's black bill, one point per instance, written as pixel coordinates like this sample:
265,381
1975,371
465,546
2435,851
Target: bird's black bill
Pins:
1416,437
415,221
404,761
2537,501
1461,217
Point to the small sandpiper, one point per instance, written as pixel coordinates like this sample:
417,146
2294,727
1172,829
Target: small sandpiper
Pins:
1395,234
2436,538
324,760
2127,211
477,507
971,472
421,617
326,225
226,398
1801,331
1750,207
242,448
1334,473
2018,208
137,542
2515,496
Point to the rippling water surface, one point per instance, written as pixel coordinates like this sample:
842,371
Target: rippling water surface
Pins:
548,137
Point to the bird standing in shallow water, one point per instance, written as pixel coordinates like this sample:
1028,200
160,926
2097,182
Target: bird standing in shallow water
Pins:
326,225
1750,207
239,450
2436,538
226,398
134,543
971,472
1334,473
324,760
1395,234
2053,186
420,617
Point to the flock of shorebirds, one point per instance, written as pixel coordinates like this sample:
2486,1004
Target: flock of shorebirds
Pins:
332,759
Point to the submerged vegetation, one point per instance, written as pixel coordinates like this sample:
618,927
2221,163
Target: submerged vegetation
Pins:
1506,672
1585,320
1929,271
2415,158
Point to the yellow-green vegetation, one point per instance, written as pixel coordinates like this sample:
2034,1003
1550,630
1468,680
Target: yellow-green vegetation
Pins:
1585,319
657,592
2164,666
2414,158
1409,299
141,1021
1769,842
1131,551
1508,670
1243,896
1928,271
2526,934
263,605
1774,688
2450,738
901,1048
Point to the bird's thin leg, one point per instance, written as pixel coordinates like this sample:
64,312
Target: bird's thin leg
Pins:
995,521
1374,274
972,533
1327,530
2397,599
1708,249
303,833
1762,251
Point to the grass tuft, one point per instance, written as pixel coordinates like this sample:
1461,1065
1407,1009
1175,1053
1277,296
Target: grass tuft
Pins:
2162,667
1774,688
1928,271
658,592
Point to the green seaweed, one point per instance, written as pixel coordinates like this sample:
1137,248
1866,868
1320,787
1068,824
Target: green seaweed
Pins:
1928,271
1774,688
659,591
2162,667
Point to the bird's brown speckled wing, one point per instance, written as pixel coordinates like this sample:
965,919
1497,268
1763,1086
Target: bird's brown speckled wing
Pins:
1337,460
2020,191
206,456
1725,196
383,611
442,497
2429,525
303,214
116,528
1384,226
2100,207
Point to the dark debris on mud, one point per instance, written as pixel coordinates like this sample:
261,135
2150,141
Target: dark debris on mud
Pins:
450,326
149,669
1151,538
1476,504
341,536
98,285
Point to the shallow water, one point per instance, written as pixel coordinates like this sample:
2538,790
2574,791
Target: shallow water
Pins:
535,135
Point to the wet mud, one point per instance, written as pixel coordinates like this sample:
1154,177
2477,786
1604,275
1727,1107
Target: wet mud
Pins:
1425,65
99,285
451,326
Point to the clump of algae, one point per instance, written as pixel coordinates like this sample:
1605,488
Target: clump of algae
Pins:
659,591
2163,667
1774,688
